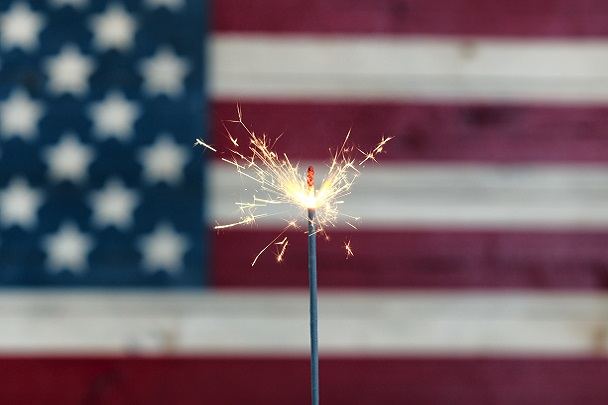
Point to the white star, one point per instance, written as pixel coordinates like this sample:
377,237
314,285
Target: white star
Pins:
163,161
163,249
114,205
114,117
69,71
68,249
172,5
114,29
73,3
20,27
19,116
164,73
19,204
69,159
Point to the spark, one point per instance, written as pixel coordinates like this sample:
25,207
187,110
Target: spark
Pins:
289,225
233,140
371,155
244,220
349,250
281,252
202,143
279,182
351,225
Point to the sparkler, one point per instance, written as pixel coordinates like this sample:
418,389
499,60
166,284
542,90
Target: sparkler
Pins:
279,183
312,287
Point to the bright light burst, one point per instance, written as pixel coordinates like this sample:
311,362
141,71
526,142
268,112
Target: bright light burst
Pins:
279,182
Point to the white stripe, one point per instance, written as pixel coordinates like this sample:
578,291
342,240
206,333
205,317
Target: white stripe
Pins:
442,195
404,68
265,322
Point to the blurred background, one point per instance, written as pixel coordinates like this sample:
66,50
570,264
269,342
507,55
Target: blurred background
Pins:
481,260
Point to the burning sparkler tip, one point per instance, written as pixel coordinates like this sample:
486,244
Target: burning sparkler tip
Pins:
310,177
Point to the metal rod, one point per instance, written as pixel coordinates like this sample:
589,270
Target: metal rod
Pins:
312,281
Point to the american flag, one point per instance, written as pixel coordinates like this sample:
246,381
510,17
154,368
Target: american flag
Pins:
482,252
98,109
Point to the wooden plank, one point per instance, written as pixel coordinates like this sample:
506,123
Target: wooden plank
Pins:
417,258
545,18
411,68
427,131
465,196
276,323
240,380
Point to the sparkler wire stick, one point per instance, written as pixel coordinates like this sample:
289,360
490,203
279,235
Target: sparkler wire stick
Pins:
312,281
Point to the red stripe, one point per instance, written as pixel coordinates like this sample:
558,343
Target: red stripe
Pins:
498,133
414,259
548,18
184,381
